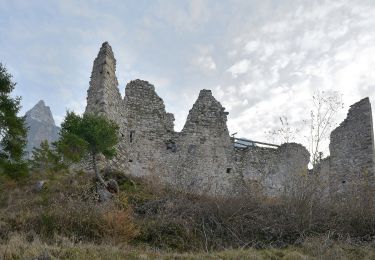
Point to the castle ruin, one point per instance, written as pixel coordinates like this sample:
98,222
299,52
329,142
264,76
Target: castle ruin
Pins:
203,158
352,159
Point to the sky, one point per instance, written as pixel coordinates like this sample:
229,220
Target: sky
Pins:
262,59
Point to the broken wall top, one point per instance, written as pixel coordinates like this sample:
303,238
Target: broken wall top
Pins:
207,116
145,109
103,95
352,146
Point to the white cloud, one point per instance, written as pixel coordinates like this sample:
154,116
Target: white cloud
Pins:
232,53
181,17
206,63
240,67
327,46
251,46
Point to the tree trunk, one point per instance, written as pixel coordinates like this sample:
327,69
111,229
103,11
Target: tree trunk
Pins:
97,174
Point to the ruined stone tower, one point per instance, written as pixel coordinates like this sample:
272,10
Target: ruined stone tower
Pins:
103,96
206,151
352,149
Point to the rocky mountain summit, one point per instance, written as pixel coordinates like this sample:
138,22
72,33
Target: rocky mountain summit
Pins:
41,126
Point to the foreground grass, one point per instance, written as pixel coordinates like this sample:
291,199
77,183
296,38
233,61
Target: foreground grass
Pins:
65,221
18,247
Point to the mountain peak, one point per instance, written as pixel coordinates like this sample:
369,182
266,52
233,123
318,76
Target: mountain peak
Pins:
41,103
40,112
41,126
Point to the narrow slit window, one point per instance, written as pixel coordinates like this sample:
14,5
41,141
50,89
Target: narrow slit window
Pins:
131,136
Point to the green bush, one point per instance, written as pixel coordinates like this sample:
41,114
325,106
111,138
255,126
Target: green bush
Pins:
46,159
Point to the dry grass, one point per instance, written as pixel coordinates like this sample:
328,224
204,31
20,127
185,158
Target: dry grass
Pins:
66,207
18,247
119,225
65,221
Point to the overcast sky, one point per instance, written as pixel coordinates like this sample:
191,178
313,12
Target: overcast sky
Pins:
261,58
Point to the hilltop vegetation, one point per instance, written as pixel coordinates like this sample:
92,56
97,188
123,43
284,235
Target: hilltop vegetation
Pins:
65,220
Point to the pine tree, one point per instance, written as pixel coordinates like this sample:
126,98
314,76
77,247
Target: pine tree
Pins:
45,159
12,130
88,136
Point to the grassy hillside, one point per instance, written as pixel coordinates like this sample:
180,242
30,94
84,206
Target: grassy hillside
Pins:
64,220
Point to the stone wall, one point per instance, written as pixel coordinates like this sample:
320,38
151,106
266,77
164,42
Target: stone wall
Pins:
352,149
205,164
103,95
202,158
149,128
322,171
273,170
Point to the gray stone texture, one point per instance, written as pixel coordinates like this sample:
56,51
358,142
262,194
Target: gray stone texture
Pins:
202,158
148,129
352,149
205,163
322,171
103,96
41,126
273,170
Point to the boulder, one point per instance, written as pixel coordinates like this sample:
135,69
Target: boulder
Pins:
39,185
104,194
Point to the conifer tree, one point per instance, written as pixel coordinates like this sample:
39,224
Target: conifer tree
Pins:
46,159
12,129
87,137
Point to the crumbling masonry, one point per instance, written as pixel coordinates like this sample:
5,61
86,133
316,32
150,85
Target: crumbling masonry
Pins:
350,165
202,158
